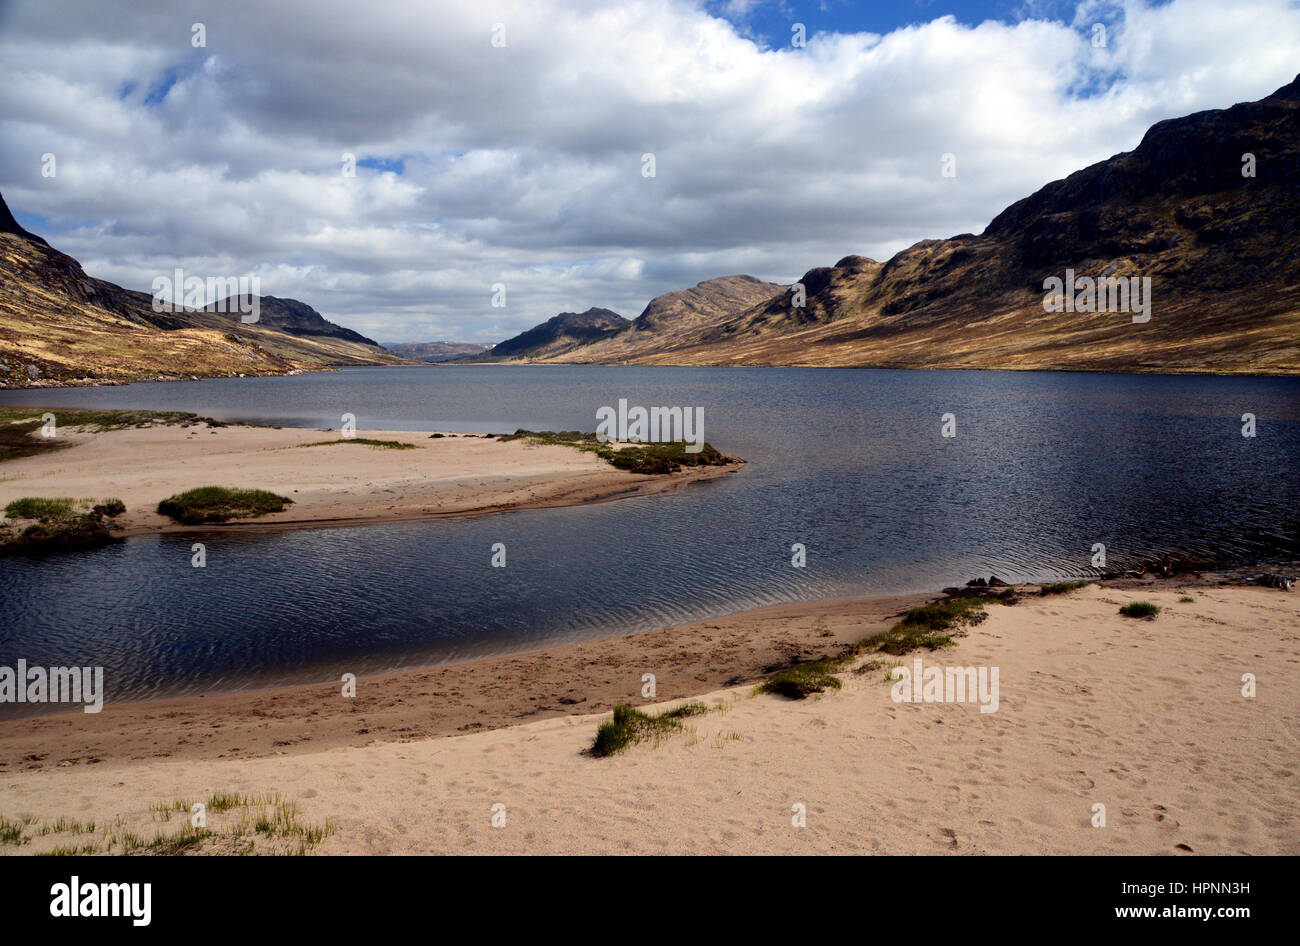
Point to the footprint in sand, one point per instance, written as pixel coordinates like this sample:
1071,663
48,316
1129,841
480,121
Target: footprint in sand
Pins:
1161,814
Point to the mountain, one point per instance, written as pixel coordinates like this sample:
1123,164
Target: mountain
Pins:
555,336
702,305
292,316
59,325
674,319
1222,251
434,352
668,321
9,225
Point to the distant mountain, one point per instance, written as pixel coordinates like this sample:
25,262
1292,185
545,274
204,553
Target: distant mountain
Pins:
59,325
705,304
668,321
555,336
292,316
434,352
1221,248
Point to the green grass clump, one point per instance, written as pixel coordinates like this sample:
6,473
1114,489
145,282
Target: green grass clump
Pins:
1186,600
19,424
46,510
66,825
650,459
365,442
630,725
60,525
104,420
1140,609
929,625
281,821
226,801
1062,587
803,680
654,459
220,504
12,832
62,509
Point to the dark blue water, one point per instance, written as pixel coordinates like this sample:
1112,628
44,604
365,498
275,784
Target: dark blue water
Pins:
849,462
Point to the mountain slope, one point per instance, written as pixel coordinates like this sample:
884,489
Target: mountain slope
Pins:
293,317
59,325
557,335
668,321
1222,251
677,319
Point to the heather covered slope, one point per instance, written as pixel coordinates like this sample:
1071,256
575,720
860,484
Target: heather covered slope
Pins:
1222,251
59,325
293,317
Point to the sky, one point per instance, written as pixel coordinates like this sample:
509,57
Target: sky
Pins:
502,144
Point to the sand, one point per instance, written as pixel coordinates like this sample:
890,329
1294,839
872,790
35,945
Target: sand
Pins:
337,484
1144,717
488,693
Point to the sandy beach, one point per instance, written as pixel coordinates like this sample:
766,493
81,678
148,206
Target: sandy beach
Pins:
331,481
1146,718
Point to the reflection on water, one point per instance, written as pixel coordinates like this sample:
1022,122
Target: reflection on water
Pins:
849,462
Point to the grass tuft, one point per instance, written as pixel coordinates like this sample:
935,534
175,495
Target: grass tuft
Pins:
46,510
803,680
1140,609
930,626
647,458
219,504
1062,587
13,832
629,725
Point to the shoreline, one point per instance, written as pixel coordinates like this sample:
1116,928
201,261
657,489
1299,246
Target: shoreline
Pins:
1162,371
1142,716
759,642
502,689
398,476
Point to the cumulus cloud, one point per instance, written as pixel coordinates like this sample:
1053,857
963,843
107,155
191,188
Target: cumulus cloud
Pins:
522,164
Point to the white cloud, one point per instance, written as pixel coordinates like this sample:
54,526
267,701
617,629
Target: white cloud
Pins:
523,164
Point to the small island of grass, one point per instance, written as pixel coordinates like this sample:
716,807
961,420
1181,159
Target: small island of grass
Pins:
214,504
647,458
39,525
